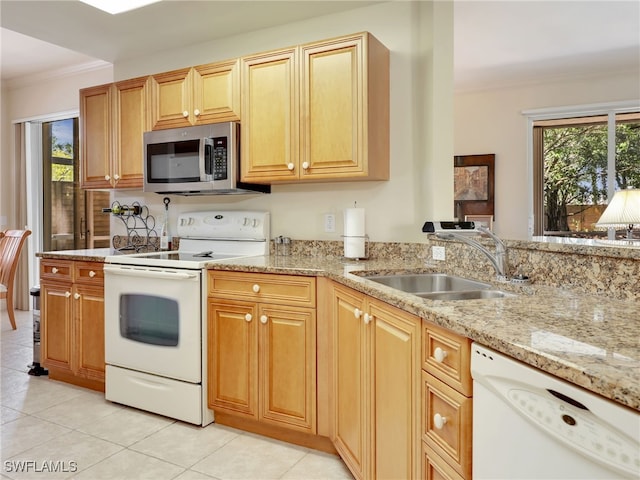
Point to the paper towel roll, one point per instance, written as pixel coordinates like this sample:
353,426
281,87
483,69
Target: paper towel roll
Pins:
354,233
354,222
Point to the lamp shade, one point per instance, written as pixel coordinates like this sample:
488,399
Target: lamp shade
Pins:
623,210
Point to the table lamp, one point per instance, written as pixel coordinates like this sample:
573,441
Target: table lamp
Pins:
623,211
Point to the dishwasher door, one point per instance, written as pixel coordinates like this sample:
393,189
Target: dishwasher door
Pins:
530,425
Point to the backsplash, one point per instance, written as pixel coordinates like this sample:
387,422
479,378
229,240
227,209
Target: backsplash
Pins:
613,272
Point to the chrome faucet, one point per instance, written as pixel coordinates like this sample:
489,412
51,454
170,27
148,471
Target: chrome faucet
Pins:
499,260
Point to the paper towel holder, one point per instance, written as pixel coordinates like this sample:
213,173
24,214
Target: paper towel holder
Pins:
366,246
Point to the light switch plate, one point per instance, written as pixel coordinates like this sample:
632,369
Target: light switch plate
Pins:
329,222
437,253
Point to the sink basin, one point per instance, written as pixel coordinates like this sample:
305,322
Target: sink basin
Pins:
439,286
423,283
465,295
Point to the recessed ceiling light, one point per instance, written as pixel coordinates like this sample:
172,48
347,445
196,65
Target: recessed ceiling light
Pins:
118,6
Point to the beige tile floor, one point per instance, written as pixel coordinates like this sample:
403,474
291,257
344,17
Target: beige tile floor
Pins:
52,430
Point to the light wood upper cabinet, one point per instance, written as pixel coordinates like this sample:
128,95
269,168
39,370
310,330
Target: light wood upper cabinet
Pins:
113,118
269,137
376,376
317,112
196,96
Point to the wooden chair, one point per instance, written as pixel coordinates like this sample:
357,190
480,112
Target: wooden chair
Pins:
10,247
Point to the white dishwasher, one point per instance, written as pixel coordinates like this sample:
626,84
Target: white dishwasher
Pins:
530,425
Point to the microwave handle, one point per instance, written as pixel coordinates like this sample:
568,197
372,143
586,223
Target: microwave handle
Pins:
208,157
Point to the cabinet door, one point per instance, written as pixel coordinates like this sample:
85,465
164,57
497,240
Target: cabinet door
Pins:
131,121
233,357
269,140
351,383
88,343
56,325
395,378
171,99
216,92
287,376
96,136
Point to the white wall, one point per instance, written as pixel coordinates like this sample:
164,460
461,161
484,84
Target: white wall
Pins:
421,183
491,121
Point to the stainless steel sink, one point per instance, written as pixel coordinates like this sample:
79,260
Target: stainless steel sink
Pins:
428,282
439,286
466,295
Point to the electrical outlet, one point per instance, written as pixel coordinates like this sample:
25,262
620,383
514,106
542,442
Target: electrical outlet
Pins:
329,222
437,253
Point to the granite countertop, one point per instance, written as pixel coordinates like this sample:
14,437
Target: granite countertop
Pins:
589,340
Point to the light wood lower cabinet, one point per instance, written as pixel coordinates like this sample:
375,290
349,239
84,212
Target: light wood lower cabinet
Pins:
72,321
447,404
376,374
262,348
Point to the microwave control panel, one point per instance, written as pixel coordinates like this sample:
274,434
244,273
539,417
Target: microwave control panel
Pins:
219,157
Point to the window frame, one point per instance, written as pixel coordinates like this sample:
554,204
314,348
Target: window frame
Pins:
534,170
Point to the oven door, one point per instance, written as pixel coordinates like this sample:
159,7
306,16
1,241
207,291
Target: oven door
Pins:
153,320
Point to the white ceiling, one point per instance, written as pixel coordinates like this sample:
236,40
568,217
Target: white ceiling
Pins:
496,42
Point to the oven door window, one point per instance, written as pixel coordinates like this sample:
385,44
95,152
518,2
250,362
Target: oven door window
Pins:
149,319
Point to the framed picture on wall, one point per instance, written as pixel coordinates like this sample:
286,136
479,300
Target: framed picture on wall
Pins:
480,220
473,185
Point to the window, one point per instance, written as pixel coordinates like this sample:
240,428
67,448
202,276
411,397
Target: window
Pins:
579,161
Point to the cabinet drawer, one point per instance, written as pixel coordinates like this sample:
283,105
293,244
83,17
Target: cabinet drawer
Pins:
266,288
447,426
59,270
89,273
447,356
435,468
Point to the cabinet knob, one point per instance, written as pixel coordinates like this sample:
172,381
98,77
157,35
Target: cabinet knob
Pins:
255,288
305,165
67,294
367,318
76,296
439,421
357,312
116,177
248,317
264,319
439,354
196,112
54,270
92,273
290,166
107,177
185,114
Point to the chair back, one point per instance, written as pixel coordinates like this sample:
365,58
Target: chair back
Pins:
10,247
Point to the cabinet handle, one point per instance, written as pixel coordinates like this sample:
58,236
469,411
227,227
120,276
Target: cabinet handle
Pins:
76,296
92,273
196,112
290,166
67,294
439,421
185,114
264,319
107,178
54,270
367,318
256,288
439,354
305,165
357,312
248,317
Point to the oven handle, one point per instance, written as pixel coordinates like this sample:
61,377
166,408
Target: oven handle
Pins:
158,274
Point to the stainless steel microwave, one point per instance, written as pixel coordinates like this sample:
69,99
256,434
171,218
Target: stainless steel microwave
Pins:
196,160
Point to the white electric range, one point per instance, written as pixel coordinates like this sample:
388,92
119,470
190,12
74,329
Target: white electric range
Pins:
155,313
